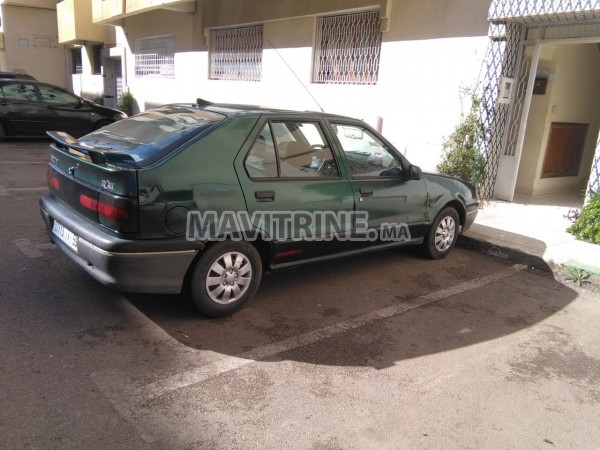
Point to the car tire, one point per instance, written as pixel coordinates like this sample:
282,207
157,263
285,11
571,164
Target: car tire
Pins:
216,286
443,234
101,124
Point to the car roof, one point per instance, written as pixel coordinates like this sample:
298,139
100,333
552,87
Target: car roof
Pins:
26,80
15,76
231,109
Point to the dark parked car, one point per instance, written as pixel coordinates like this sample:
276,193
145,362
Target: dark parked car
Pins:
209,197
30,108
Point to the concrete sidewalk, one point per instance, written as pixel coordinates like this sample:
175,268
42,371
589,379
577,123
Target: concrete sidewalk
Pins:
534,227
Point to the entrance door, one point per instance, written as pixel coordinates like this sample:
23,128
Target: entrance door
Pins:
113,81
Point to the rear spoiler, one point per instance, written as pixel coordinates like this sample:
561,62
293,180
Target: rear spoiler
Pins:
67,143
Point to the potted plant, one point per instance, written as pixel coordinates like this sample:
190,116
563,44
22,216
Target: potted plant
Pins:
126,102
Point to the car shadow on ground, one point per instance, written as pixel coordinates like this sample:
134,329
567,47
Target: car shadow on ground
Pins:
308,299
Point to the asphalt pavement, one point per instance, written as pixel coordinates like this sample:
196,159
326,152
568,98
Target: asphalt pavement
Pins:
388,350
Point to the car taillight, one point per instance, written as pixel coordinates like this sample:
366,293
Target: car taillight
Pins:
115,212
88,202
53,181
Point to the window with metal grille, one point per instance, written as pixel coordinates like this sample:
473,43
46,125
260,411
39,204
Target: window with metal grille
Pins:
348,48
155,57
236,53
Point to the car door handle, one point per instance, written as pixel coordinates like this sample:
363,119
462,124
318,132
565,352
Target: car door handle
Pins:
264,196
366,192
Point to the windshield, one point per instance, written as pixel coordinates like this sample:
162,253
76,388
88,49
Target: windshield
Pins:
152,134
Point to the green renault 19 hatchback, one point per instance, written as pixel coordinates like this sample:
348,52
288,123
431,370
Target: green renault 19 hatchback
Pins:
208,197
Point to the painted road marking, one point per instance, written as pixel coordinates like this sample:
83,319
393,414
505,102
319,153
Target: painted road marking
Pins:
228,364
5,191
24,162
30,249
130,400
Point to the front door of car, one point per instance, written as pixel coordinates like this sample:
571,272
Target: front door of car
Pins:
384,188
65,111
294,184
22,109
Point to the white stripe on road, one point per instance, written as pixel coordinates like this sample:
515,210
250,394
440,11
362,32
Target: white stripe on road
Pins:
227,364
5,191
24,162
32,250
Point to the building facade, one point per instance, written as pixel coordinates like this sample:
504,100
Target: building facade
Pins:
29,40
400,65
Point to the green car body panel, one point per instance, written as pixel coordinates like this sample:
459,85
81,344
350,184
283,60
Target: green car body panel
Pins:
131,219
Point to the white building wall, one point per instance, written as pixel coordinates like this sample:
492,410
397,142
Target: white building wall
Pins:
432,50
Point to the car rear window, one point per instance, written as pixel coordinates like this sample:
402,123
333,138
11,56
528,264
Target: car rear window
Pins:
151,135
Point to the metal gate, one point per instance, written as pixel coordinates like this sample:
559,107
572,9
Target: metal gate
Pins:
512,23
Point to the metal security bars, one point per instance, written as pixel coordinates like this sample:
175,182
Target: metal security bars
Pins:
236,53
594,181
155,57
348,49
542,11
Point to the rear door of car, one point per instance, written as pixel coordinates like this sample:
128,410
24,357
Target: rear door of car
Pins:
395,204
21,108
64,111
289,169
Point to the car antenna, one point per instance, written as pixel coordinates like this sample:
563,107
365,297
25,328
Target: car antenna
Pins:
297,77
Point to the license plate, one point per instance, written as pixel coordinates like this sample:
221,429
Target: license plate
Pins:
67,236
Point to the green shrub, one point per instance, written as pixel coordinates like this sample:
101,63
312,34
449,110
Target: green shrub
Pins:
587,226
126,102
461,156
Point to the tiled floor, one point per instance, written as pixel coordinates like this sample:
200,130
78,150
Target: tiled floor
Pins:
537,225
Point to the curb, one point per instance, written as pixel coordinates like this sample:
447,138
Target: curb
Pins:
506,253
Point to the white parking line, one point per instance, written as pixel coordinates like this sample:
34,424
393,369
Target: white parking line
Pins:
5,191
227,364
130,399
31,250
24,162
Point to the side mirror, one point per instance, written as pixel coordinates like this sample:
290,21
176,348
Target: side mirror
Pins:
414,172
393,172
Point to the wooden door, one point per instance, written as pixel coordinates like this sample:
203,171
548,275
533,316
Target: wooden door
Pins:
564,150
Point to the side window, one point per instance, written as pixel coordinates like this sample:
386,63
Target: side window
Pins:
55,96
261,161
367,156
20,92
303,150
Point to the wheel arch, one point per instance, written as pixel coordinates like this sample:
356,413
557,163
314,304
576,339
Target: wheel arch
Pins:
460,209
262,245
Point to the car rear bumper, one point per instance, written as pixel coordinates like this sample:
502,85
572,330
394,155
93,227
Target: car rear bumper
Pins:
145,266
